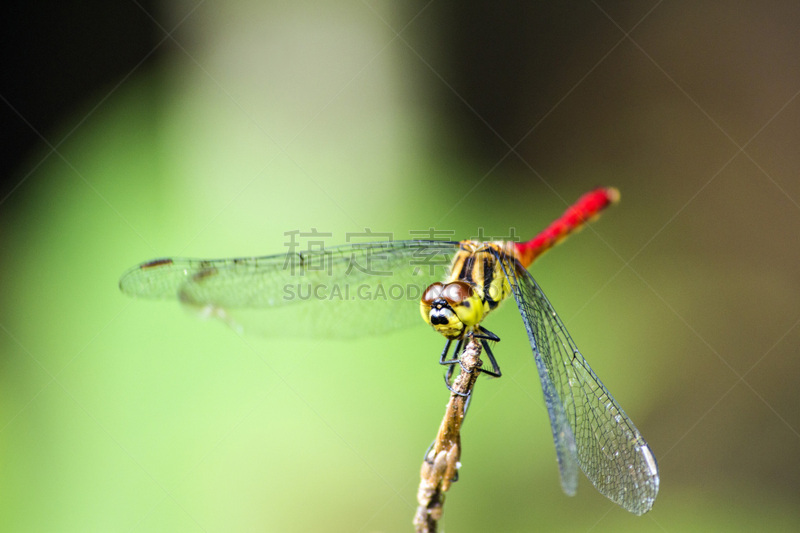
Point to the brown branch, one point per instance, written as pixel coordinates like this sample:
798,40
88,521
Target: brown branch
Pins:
441,462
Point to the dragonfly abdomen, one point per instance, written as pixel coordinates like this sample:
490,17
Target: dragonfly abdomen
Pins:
576,216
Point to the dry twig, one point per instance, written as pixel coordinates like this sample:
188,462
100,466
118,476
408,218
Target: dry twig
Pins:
441,463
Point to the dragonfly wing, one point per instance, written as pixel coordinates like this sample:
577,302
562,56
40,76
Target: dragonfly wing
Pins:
563,438
341,291
607,446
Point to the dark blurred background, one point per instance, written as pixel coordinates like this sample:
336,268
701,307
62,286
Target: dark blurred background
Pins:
55,58
144,129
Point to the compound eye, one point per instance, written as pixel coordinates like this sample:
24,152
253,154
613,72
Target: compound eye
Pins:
432,292
457,292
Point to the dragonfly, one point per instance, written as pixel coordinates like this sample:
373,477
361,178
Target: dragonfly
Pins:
357,288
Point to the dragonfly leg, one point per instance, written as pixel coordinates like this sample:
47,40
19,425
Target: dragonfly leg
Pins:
451,364
480,333
495,371
485,335
425,457
443,360
466,404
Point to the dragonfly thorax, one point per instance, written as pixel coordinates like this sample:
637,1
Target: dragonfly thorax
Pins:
475,285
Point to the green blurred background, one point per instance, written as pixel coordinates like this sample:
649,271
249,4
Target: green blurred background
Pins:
209,130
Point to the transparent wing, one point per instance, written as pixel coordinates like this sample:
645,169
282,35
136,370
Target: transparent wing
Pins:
589,426
341,291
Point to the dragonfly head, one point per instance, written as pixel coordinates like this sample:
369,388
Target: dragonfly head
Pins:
452,309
